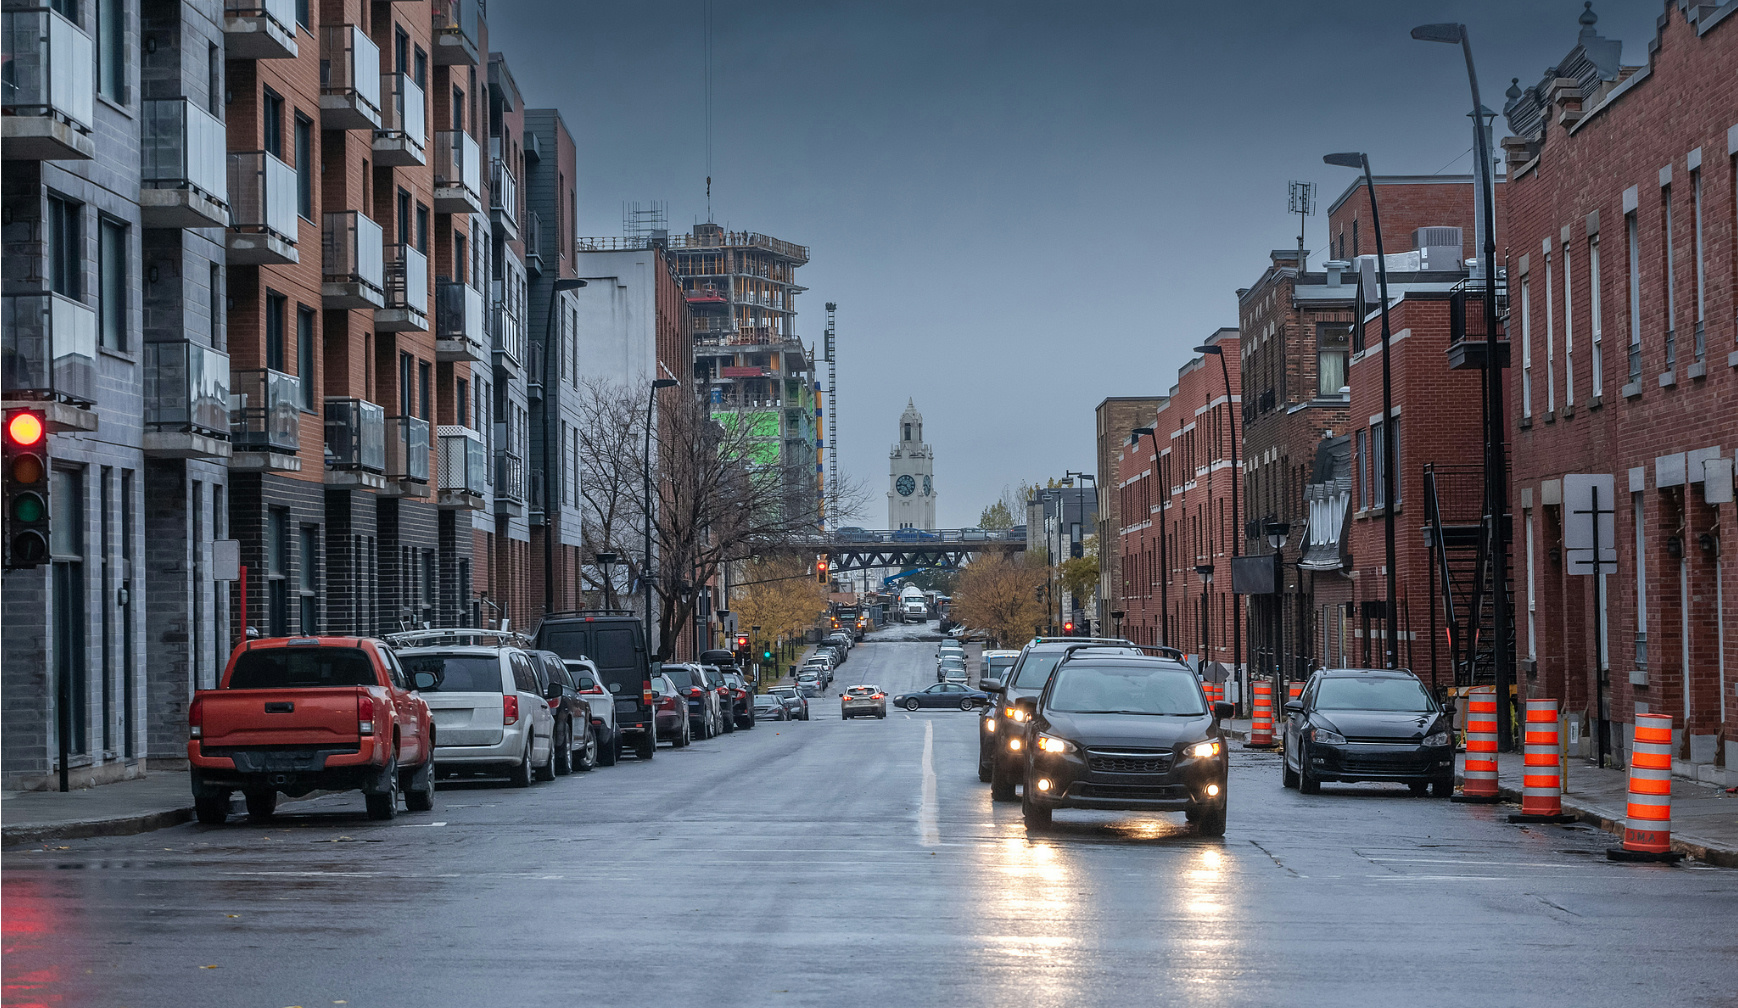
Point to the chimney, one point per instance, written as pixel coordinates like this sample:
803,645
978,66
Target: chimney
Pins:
1336,269
1565,94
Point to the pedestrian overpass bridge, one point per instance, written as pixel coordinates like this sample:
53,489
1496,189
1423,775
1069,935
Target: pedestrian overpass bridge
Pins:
869,549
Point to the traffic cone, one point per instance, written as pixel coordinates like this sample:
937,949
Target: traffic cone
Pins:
1293,691
1479,770
1541,774
1647,831
1261,728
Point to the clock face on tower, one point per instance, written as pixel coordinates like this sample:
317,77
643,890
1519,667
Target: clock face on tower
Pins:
906,486
926,486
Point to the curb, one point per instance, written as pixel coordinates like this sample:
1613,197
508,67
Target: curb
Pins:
84,828
1594,817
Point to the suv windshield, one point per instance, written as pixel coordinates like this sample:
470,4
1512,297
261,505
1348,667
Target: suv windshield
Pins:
302,668
457,673
1125,689
1372,693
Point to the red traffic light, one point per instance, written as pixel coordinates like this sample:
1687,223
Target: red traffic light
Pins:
741,642
24,429
1068,628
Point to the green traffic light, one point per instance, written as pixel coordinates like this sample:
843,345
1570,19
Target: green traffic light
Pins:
28,508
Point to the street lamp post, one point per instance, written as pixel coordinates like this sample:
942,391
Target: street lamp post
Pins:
1206,573
1276,532
1236,527
646,474
550,440
1358,160
606,560
1164,563
1117,614
1496,466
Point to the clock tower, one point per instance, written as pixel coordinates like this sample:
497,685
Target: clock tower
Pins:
911,475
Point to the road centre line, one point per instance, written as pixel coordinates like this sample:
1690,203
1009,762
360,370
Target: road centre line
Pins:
928,832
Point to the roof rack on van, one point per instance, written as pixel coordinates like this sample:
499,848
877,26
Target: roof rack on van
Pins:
589,612
1162,650
461,636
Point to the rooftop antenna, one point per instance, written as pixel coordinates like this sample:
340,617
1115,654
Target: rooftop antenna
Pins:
828,345
1303,203
708,103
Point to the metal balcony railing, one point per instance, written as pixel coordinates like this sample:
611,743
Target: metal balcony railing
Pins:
533,238
184,148
458,162
351,251
406,276
406,109
407,449
355,434
281,11
350,68
262,193
456,30
509,477
186,388
459,312
505,325
48,65
264,411
503,191
49,348
464,460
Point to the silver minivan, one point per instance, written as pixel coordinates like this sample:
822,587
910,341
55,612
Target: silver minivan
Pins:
489,711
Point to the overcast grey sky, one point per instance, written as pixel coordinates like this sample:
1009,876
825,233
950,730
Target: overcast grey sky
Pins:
1020,208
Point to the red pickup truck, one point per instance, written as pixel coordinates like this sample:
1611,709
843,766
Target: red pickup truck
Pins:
301,714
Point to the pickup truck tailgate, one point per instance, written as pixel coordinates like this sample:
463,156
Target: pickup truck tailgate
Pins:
281,717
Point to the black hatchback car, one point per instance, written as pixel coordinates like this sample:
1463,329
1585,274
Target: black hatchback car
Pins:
1368,725
1123,732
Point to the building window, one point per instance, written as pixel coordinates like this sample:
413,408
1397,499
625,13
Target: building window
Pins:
1550,341
214,80
1634,296
1532,593
1568,329
302,13
422,391
422,229
304,166
1671,279
272,123
305,340
1526,348
404,218
277,546
405,368
419,67
459,273
112,49
66,544
1362,461
1378,463
112,282
458,109
60,239
307,580
1595,314
1331,357
1635,508
275,350
461,401
1701,265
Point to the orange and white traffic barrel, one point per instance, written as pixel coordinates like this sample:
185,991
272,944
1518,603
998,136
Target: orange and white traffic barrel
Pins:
1261,728
1542,766
1479,766
1647,828
1293,691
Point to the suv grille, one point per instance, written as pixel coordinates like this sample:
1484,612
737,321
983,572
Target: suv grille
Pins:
1154,761
1135,791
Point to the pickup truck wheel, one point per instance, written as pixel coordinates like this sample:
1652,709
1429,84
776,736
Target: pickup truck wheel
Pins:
562,758
213,810
608,748
647,746
519,775
419,788
261,804
385,805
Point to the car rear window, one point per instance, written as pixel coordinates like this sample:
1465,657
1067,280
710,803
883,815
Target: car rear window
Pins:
302,668
683,678
457,673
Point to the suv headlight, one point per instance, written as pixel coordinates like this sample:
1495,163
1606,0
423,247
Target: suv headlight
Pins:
1204,750
1014,714
1052,744
1328,736
1441,738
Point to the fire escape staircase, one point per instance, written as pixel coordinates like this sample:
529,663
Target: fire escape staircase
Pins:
1464,569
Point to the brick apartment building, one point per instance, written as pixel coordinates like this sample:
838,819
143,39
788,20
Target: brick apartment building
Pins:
1176,515
1113,419
1623,267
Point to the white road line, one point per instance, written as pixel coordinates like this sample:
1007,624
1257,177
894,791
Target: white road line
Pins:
928,832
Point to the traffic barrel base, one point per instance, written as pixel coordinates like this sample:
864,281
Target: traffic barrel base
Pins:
1527,817
1620,854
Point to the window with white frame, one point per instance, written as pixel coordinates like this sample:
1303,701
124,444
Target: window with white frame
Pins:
1550,339
1596,360
1634,295
1526,348
1568,328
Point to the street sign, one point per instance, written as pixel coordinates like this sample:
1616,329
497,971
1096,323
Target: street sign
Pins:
1581,533
226,560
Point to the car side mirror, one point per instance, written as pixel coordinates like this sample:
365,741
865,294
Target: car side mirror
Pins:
1223,711
1294,707
424,680
1027,706
552,691
991,685
1448,710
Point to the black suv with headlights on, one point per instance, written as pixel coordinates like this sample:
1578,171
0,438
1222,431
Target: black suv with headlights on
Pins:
1121,732
1368,725
997,764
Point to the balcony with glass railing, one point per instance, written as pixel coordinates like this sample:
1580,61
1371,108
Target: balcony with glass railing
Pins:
355,442
265,411
48,89
464,468
506,327
402,139
184,177
406,307
504,198
458,172
509,483
49,348
349,78
533,242
259,29
460,327
186,400
353,272
262,200
456,32
407,455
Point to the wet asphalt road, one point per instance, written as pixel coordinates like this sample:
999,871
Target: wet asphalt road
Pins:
861,863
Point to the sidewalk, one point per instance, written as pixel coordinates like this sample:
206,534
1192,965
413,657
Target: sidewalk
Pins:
164,798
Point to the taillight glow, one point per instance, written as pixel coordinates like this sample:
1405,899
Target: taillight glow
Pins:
364,714
509,709
196,719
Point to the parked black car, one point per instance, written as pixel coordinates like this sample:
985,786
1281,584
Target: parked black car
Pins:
951,695
615,641
704,717
741,697
1120,731
725,694
1368,725
575,746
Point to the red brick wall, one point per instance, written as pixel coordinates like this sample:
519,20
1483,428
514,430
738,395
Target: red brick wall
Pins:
1686,101
1405,207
